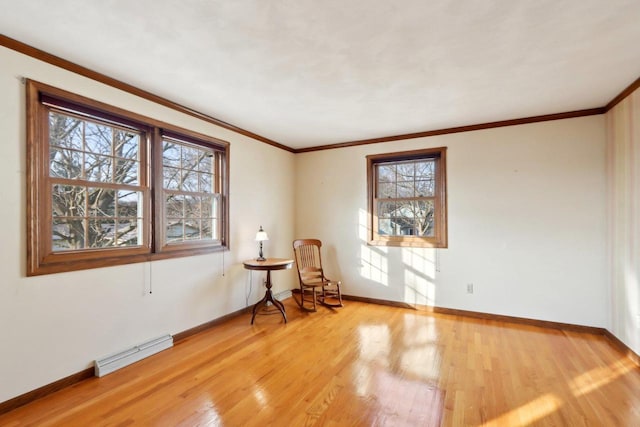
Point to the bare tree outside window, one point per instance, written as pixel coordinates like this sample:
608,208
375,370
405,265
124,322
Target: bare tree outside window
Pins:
94,174
106,186
190,196
405,192
407,198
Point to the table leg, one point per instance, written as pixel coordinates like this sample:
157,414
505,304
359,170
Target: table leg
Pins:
268,296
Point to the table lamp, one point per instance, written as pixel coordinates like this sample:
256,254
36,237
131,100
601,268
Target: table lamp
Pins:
261,236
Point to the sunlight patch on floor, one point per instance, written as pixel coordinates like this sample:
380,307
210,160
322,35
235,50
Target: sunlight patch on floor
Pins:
598,377
395,397
208,415
420,356
419,330
528,413
375,343
374,346
261,399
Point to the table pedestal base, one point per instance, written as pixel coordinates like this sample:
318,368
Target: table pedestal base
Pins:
268,297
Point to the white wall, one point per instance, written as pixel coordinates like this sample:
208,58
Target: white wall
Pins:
55,325
623,138
527,223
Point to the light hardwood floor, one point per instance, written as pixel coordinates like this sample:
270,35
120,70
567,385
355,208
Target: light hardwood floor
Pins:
361,365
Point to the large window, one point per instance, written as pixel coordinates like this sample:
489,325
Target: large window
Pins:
107,187
407,198
96,191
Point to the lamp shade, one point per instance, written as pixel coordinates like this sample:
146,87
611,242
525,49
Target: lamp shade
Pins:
261,235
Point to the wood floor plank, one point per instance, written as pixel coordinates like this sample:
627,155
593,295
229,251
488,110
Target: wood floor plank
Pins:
361,365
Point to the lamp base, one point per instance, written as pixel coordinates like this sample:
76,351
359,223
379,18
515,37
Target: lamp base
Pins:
260,256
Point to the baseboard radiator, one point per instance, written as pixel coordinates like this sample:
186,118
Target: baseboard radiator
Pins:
108,364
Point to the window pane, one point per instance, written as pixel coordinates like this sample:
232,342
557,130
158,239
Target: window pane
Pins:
189,181
386,189
406,189
386,173
206,183
174,206
65,131
67,234
171,178
68,200
190,158
403,225
191,207
207,228
97,168
424,218
174,231
126,172
101,233
170,154
208,208
126,144
65,163
406,171
192,229
425,169
406,209
384,226
102,202
129,203
386,209
425,188
98,138
127,232
206,162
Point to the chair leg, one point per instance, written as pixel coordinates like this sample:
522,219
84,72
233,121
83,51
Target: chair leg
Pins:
305,294
332,294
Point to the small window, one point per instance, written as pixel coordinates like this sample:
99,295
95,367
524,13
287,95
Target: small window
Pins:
407,198
95,197
191,193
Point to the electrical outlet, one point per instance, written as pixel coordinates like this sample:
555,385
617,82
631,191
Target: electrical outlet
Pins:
469,288
638,321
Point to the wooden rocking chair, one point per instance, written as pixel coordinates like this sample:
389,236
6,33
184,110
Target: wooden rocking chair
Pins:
314,285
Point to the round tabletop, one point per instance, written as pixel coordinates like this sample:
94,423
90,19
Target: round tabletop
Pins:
268,264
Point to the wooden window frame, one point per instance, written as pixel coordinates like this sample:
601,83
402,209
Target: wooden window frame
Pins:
41,259
439,240
190,138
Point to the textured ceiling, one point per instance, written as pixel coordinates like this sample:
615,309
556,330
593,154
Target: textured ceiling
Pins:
307,72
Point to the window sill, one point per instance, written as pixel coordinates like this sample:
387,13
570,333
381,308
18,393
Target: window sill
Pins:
86,264
413,243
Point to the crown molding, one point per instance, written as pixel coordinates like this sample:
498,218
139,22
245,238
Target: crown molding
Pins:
458,129
102,78
118,84
622,95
